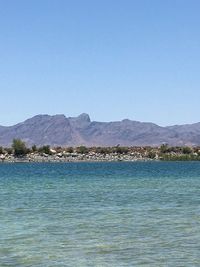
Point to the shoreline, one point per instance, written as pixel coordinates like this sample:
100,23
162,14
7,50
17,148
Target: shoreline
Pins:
85,158
64,159
20,153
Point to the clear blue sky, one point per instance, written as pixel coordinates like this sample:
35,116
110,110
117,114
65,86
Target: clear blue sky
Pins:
113,59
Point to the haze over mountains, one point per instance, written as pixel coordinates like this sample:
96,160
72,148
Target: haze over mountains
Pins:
59,130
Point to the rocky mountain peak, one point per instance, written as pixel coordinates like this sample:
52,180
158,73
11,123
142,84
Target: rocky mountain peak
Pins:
74,131
84,117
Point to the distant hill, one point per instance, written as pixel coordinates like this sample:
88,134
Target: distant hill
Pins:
59,130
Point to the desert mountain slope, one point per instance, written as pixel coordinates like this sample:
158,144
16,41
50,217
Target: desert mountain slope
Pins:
59,130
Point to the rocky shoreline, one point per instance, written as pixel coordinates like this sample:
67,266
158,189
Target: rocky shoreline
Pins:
72,157
20,153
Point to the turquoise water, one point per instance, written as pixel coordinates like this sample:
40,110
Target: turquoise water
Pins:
100,214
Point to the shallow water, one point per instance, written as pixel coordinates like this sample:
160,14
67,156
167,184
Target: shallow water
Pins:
100,214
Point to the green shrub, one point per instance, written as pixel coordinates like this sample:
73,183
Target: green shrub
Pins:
34,148
82,150
186,150
102,150
45,149
121,150
1,150
151,154
164,148
19,147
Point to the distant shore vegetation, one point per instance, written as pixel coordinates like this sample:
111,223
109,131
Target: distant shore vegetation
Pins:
164,152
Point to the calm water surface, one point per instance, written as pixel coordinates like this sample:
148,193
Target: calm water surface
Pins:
100,214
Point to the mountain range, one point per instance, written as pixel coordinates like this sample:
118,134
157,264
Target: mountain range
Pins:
59,130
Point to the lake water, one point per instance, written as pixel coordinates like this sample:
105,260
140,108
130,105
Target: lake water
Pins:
100,214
